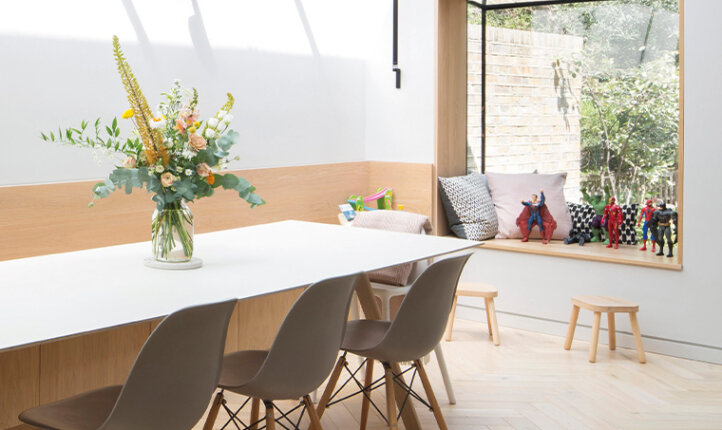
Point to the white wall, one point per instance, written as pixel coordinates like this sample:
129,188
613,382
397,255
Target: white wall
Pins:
400,122
296,68
679,311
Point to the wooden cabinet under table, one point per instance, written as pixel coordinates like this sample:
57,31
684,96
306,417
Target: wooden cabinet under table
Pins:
76,321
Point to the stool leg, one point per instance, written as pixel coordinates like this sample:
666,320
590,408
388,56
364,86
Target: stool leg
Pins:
572,327
491,320
637,337
595,337
445,374
612,331
450,324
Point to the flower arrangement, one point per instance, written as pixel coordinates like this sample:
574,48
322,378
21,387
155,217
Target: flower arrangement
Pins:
172,153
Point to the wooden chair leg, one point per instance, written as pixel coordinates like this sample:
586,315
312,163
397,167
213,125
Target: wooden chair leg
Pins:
270,418
491,320
312,415
255,412
612,331
365,401
595,337
637,337
572,327
430,396
330,386
450,324
213,413
488,316
390,398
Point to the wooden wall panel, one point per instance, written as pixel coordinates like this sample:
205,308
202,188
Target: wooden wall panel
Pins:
19,383
260,318
50,218
73,365
412,184
450,118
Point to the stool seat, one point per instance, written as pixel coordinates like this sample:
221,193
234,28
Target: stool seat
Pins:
477,289
604,304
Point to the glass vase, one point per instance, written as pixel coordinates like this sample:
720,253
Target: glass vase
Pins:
172,233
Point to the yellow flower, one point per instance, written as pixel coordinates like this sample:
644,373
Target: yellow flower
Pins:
127,114
192,130
196,124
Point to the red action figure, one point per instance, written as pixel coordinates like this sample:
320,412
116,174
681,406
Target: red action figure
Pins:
613,218
647,212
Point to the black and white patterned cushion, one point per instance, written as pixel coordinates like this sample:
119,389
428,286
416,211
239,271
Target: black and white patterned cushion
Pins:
468,206
582,215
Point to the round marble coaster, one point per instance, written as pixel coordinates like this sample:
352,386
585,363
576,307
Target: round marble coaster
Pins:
195,263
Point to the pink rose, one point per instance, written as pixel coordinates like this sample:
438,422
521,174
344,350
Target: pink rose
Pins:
167,179
203,170
130,163
197,142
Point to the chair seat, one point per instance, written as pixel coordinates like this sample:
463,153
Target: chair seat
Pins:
391,290
86,411
240,367
604,304
363,335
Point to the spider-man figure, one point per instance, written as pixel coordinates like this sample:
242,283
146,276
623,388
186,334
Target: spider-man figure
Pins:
613,218
646,213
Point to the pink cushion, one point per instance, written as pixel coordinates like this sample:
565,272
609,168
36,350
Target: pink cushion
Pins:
507,190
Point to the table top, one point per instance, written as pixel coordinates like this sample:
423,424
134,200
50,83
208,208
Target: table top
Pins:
53,296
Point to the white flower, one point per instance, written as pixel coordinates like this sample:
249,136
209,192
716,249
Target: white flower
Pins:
188,172
210,134
213,123
221,114
158,121
227,119
159,168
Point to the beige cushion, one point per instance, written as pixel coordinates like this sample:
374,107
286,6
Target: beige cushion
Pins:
507,190
404,222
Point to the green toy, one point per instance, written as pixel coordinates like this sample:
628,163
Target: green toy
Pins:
597,202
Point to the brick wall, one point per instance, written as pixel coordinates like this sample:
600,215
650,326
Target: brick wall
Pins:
532,116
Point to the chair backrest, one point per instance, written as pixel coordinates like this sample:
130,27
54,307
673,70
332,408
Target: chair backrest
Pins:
307,344
422,317
174,376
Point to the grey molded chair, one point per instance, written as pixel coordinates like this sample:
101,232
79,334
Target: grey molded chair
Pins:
300,359
168,387
414,332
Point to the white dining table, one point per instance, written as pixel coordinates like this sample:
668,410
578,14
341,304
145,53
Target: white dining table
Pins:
55,296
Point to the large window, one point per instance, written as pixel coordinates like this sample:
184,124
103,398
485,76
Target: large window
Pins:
590,88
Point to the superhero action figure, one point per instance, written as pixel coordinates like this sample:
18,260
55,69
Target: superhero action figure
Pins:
646,213
575,237
613,218
534,204
661,224
597,203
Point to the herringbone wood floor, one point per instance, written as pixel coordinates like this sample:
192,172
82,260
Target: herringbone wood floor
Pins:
530,382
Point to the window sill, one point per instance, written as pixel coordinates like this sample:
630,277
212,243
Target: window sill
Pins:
626,254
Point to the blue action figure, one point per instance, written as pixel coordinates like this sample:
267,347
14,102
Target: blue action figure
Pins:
534,206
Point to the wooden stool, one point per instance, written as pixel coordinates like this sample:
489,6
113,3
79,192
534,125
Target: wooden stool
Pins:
609,305
477,289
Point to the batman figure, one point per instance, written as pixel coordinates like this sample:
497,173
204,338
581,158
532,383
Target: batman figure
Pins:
661,223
